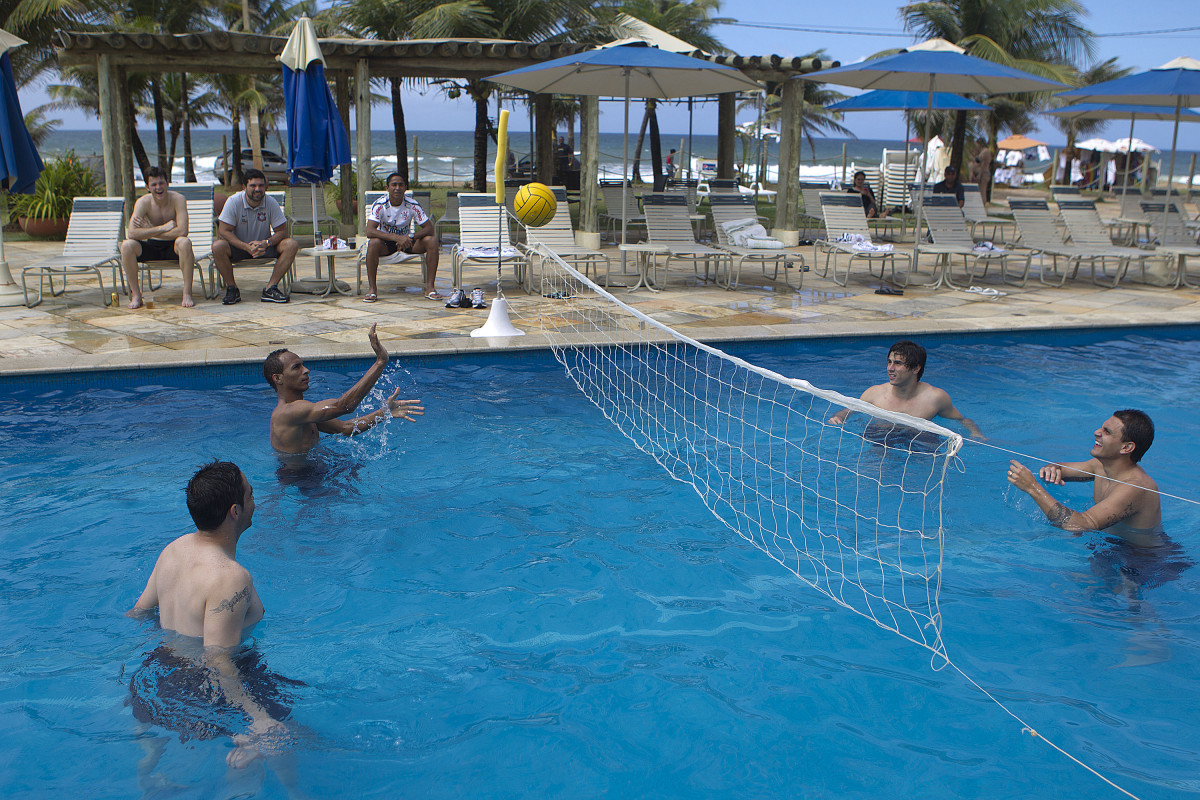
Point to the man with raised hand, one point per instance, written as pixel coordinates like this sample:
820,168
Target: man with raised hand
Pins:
297,424
201,591
1125,500
907,393
252,225
157,231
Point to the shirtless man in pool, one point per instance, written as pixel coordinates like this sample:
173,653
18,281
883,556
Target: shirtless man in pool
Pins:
297,424
1125,499
200,590
907,393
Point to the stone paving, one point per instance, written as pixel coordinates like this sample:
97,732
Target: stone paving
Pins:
75,332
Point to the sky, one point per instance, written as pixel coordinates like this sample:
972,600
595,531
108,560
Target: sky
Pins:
1159,31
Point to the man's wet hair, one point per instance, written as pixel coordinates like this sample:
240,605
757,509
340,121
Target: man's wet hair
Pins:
1138,429
913,355
212,490
274,366
250,174
156,172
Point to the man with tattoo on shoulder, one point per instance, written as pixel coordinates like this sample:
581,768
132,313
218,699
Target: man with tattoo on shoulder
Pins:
200,590
1125,498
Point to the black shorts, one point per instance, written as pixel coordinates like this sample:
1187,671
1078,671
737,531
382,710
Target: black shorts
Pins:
180,695
237,254
158,250
390,247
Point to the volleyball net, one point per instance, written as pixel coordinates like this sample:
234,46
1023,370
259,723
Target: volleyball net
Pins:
853,510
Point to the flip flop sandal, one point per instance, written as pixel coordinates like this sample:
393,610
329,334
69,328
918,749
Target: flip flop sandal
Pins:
370,298
434,296
889,290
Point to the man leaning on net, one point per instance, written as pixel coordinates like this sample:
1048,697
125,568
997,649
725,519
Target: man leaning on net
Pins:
906,393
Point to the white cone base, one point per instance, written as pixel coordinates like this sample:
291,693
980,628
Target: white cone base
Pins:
498,323
11,293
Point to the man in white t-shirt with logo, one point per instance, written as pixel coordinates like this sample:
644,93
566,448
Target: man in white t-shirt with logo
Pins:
252,225
397,223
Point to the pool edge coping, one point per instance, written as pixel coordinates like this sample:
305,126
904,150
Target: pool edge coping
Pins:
465,345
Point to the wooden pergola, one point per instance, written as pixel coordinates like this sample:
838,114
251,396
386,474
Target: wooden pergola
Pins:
113,55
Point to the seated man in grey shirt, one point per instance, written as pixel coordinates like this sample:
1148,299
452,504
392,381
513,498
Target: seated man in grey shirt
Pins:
252,225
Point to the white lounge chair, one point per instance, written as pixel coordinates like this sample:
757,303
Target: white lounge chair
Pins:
978,218
1040,236
668,225
1088,231
846,233
450,217
93,241
610,190
951,237
483,228
558,236
728,208
1175,240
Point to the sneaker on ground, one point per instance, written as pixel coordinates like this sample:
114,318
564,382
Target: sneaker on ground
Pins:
477,298
455,298
232,295
272,295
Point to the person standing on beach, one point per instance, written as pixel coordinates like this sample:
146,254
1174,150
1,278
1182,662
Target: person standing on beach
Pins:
981,171
157,231
297,424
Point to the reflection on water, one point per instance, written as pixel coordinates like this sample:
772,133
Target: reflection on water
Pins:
320,473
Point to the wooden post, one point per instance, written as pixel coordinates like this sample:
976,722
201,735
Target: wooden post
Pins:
1191,177
362,110
589,173
346,172
124,139
843,164
787,202
726,118
546,151
108,126
416,157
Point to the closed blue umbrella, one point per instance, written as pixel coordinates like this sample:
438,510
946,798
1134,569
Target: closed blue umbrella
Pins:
20,164
317,139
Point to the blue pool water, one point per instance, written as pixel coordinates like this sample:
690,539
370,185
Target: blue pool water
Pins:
507,599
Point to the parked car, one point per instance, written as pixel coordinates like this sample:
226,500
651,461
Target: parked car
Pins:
274,165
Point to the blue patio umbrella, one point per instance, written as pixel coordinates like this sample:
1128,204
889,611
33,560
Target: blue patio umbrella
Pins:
627,70
896,100
317,139
1122,111
20,164
1174,84
931,67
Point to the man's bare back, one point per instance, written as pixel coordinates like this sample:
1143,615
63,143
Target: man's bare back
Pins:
297,424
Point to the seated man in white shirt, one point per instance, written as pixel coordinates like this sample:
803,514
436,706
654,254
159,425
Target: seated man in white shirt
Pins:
252,225
389,222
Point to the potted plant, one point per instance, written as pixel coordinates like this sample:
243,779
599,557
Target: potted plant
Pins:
46,210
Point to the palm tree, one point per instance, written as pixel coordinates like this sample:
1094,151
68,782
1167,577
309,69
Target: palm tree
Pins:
39,126
816,117
522,20
1096,73
37,22
1043,37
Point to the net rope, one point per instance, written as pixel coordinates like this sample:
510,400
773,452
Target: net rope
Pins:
853,510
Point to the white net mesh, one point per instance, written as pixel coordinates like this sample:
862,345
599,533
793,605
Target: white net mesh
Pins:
853,510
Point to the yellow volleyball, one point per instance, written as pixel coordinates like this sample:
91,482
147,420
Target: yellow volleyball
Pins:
534,204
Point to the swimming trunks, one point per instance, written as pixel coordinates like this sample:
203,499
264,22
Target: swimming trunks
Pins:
178,694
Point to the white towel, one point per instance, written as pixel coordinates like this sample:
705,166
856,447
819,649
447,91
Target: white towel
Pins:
747,232
862,244
489,252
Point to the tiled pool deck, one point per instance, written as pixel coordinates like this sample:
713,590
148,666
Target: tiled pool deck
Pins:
74,332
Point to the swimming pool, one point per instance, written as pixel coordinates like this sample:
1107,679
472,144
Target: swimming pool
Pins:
507,599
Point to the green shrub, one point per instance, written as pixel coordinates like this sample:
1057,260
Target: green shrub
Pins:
63,179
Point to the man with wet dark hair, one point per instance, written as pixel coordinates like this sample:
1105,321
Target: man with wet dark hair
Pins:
157,231
297,424
907,393
201,591
1125,500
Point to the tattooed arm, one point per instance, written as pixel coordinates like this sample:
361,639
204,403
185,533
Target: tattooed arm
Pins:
1120,504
